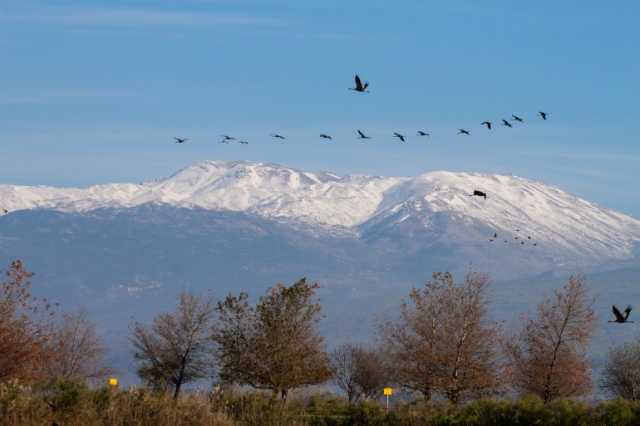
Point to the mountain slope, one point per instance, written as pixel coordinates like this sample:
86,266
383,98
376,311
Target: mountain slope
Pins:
433,207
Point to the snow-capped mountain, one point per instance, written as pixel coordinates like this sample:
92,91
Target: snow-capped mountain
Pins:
434,206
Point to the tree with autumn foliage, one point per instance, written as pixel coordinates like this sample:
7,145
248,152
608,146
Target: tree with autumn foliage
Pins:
26,327
443,341
547,357
176,348
274,345
78,352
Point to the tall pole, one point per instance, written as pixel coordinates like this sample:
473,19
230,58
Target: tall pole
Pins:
387,403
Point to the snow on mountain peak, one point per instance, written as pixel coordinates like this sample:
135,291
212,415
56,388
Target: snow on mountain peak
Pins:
544,213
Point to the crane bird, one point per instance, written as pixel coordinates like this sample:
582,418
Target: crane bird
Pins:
486,123
477,193
181,140
516,118
506,123
621,318
362,135
399,136
543,114
323,136
463,132
423,133
362,88
277,136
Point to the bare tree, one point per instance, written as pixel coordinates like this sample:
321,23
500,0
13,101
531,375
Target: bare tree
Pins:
621,375
77,350
25,326
344,365
358,371
443,341
274,345
547,358
176,349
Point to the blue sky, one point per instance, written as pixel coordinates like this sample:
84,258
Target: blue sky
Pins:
93,91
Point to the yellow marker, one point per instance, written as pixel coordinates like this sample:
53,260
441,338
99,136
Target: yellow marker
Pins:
387,392
113,381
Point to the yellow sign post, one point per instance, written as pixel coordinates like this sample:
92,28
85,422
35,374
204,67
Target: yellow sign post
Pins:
113,381
387,392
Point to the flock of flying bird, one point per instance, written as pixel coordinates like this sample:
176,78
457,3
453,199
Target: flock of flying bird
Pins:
620,317
361,87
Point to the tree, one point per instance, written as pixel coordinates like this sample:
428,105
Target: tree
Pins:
547,357
77,350
176,349
25,327
358,371
344,366
621,375
443,341
274,345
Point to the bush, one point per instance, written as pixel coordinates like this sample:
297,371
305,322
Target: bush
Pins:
72,404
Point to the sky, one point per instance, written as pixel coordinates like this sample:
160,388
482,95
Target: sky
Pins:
94,91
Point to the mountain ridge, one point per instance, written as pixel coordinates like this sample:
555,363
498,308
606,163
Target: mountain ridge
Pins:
433,205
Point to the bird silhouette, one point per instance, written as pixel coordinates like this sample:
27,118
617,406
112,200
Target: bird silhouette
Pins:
227,138
359,86
181,140
399,136
506,123
543,115
323,136
277,136
516,118
422,133
621,318
487,123
477,193
463,132
362,135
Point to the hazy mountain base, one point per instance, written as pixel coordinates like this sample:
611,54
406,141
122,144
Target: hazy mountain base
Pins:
126,264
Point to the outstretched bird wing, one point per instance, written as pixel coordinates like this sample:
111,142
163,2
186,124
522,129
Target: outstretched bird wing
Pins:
627,312
358,83
617,314
361,134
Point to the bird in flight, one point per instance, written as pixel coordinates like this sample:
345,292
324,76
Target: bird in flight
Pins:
399,136
181,140
359,86
362,135
543,115
477,193
516,118
323,136
487,123
277,136
463,132
621,318
422,133
506,123
227,138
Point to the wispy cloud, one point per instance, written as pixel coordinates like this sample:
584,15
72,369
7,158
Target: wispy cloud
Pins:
137,17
